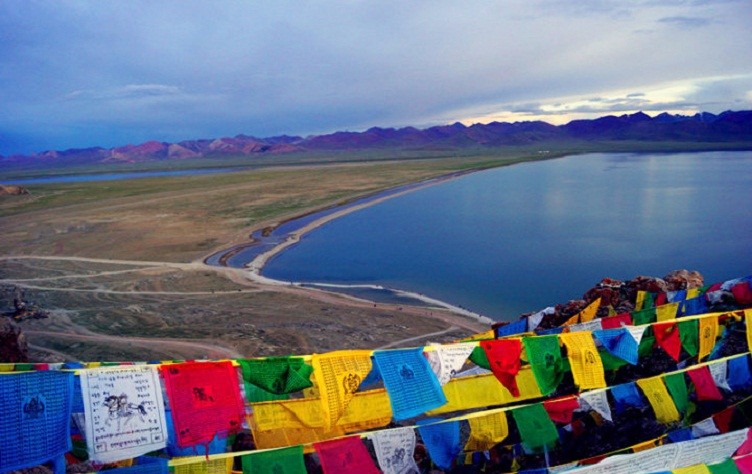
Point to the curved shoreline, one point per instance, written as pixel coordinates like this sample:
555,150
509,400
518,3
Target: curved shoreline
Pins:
256,265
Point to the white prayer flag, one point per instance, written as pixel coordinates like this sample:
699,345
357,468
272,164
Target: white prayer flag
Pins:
447,360
394,450
124,412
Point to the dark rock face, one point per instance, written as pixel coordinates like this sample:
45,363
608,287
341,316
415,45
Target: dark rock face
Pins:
13,346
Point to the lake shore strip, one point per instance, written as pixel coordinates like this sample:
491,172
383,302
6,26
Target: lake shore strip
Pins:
256,266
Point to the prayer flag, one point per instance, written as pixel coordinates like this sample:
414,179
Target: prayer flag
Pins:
487,431
648,302
739,376
338,376
677,387
125,416
534,320
723,419
667,312
446,360
479,358
742,293
278,461
695,469
667,338
689,336
626,395
619,343
277,375
535,427
640,299
394,450
550,331
704,384
588,314
589,326
412,386
694,306
205,400
662,403
617,321
345,455
145,465
515,327
726,467
598,401
718,372
561,410
660,299
504,357
213,466
442,440
587,368
36,410
704,428
544,355
748,325
679,435
708,333
678,295
646,316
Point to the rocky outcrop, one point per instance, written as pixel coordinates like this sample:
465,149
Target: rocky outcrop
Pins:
12,190
13,345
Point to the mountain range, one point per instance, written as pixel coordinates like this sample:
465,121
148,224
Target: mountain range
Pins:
701,127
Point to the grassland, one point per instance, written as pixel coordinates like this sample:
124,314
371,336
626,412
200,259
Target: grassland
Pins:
123,276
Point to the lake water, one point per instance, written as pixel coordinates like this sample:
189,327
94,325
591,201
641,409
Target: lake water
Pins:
516,239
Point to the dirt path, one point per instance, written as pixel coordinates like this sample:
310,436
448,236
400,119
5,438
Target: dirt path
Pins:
418,338
167,346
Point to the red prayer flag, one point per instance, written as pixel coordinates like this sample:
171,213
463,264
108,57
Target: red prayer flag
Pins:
205,400
704,384
561,410
744,464
345,455
667,338
661,299
742,293
746,447
722,419
615,322
504,358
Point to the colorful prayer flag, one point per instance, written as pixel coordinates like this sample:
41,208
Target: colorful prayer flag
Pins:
446,360
412,386
619,343
535,427
708,332
587,368
662,403
504,358
705,387
394,450
442,440
277,375
344,456
205,400
689,336
667,338
544,355
626,395
278,461
338,375
677,387
487,431
561,410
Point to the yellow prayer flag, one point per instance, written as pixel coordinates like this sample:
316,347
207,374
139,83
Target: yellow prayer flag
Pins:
487,431
645,445
666,312
588,314
587,367
640,301
481,336
696,469
478,391
338,375
214,466
573,320
693,293
7,367
708,330
659,398
748,323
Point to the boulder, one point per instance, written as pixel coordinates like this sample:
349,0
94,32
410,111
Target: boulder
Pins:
13,345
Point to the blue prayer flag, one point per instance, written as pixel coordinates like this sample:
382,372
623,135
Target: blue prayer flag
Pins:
626,395
36,408
619,343
373,377
694,306
549,331
739,376
441,439
674,296
146,465
411,384
682,434
517,327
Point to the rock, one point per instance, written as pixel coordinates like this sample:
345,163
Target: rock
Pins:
12,190
13,345
683,280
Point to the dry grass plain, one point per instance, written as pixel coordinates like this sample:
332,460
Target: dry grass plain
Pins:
123,278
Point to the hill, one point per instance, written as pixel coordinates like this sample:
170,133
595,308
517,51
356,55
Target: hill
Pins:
700,128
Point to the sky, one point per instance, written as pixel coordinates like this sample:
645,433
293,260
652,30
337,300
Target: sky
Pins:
77,74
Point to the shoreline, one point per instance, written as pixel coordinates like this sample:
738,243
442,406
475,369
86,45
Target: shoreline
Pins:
257,264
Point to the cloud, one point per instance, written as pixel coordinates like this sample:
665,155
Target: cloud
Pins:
685,21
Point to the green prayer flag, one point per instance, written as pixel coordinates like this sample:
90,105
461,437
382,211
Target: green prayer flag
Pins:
677,388
535,427
688,334
646,344
23,367
648,302
479,358
544,355
256,394
611,362
644,316
726,467
279,461
277,375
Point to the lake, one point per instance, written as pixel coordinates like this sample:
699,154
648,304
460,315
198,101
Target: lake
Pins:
91,177
515,239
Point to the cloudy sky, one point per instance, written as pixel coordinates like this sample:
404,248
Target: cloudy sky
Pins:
107,73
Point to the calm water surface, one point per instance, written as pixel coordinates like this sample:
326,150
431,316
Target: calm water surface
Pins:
516,239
